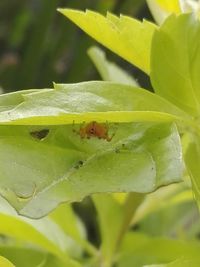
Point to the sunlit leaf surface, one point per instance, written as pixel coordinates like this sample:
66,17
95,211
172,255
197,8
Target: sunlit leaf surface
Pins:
128,37
175,62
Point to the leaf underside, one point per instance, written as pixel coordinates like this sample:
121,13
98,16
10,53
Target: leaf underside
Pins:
44,165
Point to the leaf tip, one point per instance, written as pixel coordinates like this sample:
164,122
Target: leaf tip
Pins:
69,11
60,10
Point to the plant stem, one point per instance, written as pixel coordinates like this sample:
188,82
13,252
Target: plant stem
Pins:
89,248
132,202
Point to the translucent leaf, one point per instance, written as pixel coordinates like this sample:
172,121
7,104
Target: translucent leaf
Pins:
37,175
127,37
175,62
11,100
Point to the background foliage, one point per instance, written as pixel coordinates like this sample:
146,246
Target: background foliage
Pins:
38,46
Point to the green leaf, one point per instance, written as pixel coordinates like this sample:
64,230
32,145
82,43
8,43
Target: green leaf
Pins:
175,62
37,175
192,156
161,9
31,257
42,166
43,233
89,101
127,37
5,263
138,250
179,221
108,70
64,216
11,100
161,199
183,262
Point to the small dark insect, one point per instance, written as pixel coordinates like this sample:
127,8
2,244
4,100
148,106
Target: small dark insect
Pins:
41,134
117,150
95,129
79,164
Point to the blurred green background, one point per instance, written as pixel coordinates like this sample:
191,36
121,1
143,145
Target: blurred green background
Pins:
38,45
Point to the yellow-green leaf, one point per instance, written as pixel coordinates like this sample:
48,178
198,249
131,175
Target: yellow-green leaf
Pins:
5,263
127,37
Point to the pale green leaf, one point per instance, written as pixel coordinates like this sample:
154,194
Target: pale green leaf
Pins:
127,37
89,101
175,62
108,70
161,9
38,175
11,100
